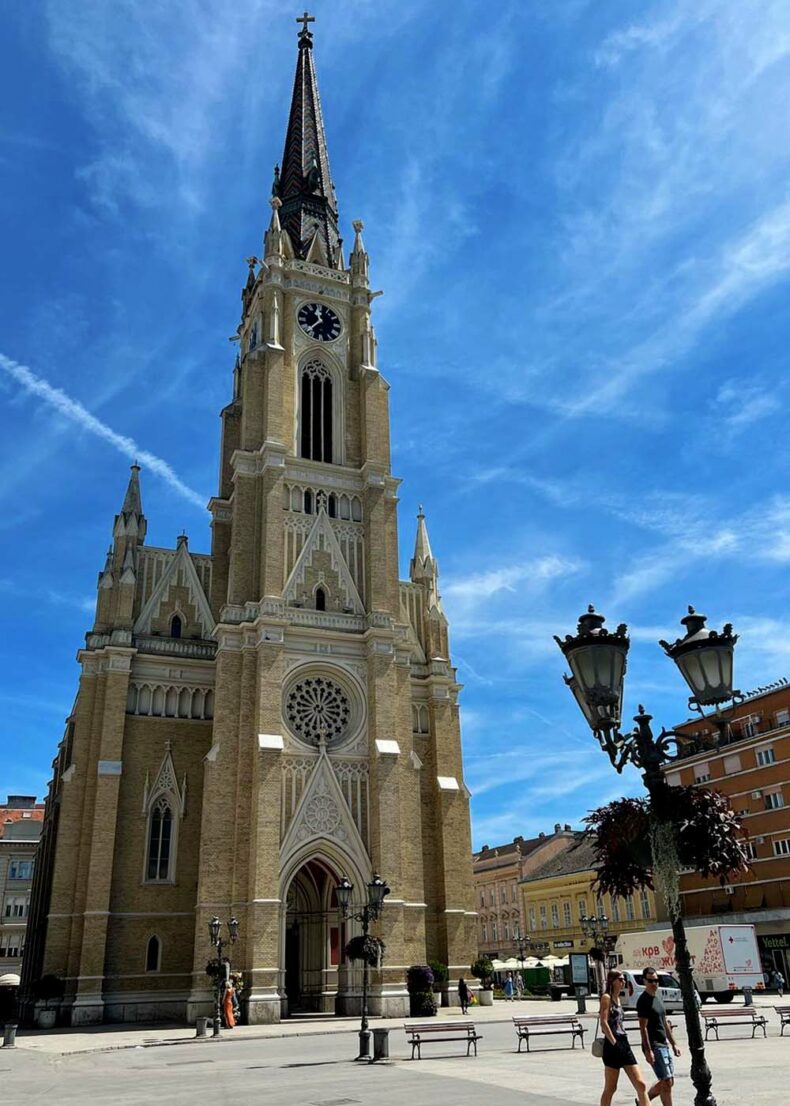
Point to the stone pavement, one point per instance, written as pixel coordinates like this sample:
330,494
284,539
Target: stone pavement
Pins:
305,1065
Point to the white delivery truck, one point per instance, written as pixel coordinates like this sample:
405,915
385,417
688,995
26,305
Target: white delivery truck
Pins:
724,959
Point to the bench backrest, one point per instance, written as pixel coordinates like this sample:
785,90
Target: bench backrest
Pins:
738,1012
549,1019
441,1027
782,1009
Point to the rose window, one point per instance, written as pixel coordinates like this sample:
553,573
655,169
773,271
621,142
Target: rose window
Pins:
317,707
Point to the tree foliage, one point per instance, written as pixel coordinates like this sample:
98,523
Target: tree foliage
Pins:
708,832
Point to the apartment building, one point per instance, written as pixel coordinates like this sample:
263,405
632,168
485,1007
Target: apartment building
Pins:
20,829
748,761
498,871
560,890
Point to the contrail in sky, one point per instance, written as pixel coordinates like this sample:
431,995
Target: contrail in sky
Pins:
73,410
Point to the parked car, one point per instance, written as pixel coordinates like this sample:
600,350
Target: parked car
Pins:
668,989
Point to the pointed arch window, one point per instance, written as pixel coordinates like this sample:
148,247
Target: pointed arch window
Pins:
320,599
160,842
153,952
176,626
316,412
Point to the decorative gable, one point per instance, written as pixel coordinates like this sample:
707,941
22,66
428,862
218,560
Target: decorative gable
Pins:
323,813
179,592
166,784
322,564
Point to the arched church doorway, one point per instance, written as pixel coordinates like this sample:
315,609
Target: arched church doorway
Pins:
314,940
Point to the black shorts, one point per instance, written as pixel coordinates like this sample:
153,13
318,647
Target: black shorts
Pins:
619,1055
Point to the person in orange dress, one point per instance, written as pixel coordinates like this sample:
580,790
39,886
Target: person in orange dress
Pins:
227,1005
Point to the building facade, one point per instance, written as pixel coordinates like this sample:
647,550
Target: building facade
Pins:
498,870
749,762
20,828
254,724
559,892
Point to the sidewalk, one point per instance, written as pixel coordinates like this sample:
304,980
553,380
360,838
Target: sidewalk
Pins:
108,1038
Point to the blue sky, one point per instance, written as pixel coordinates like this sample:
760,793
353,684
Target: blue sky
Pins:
580,217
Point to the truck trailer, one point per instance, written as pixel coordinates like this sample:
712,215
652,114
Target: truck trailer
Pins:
724,959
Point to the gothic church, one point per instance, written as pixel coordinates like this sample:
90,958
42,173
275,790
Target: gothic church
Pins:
254,724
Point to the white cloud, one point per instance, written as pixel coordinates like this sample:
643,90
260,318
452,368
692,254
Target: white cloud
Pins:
75,412
479,586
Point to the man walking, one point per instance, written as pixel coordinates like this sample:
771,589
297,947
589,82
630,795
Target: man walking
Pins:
657,1038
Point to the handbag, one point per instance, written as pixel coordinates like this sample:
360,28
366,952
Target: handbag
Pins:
596,1048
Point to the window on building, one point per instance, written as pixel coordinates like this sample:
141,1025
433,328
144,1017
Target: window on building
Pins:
503,894
732,764
159,840
766,756
11,944
493,931
532,917
555,916
544,924
20,869
750,727
175,626
581,907
16,906
485,932
782,846
773,800
782,717
615,909
320,599
644,903
316,412
673,779
152,954
629,908
513,893
750,849
507,932
567,913
490,898
701,773
482,898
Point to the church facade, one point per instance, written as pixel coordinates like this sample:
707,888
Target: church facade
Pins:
255,724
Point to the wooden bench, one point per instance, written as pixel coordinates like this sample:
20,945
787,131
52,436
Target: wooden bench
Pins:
421,1034
784,1018
744,1015
548,1026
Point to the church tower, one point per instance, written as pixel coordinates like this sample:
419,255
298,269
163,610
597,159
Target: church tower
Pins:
255,725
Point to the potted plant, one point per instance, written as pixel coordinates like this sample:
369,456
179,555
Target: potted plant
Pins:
419,983
441,978
483,970
366,948
48,988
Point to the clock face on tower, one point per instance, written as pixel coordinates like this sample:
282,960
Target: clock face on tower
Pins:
319,321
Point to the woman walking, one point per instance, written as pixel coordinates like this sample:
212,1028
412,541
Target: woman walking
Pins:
617,1052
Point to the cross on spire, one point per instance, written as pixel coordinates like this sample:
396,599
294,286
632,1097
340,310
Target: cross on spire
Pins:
305,34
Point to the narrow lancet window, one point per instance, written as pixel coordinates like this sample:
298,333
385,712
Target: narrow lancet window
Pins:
316,412
159,840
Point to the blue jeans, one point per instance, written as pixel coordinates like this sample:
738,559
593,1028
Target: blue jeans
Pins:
663,1063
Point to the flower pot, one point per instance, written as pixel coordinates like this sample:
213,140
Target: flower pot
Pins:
485,998
45,1019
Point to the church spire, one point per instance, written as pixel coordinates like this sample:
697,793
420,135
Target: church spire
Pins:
132,503
304,182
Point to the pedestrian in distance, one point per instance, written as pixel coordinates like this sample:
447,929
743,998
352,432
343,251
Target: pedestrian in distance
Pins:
779,983
464,995
509,988
658,1042
617,1052
519,985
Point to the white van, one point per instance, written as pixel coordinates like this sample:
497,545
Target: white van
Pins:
668,989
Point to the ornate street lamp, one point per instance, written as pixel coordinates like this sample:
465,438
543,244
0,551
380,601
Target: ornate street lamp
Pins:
215,939
598,663
377,891
596,928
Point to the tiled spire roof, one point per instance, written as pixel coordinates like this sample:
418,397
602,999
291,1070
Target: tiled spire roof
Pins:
304,182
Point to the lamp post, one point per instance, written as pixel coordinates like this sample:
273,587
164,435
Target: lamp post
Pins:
596,928
377,891
522,942
597,660
215,938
